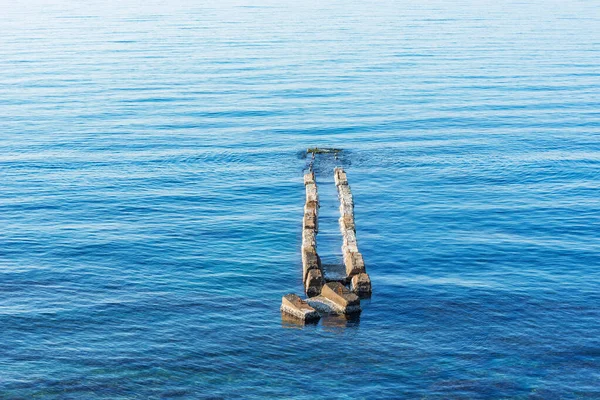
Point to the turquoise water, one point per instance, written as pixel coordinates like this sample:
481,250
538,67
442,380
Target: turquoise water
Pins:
151,198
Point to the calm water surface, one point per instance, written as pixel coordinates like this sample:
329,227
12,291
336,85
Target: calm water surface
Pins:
151,197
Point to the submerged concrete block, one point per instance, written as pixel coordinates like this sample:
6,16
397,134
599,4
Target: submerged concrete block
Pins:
311,193
340,176
309,177
354,263
361,284
338,294
310,261
347,223
313,283
293,305
324,305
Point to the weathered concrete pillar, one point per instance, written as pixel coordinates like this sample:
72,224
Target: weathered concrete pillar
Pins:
314,282
361,284
293,305
310,261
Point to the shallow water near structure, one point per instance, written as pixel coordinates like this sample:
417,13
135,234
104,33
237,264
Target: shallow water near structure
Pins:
151,198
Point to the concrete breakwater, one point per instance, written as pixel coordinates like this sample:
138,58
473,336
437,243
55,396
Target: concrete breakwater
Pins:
353,260
312,274
331,297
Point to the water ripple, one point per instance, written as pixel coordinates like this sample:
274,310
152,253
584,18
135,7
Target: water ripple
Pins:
151,198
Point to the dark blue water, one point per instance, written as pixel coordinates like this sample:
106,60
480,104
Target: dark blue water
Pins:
151,197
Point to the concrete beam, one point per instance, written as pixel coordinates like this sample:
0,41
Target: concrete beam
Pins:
312,276
353,260
293,305
345,301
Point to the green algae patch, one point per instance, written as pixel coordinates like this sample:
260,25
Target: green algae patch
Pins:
323,150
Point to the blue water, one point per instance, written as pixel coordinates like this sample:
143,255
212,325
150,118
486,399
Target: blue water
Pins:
151,197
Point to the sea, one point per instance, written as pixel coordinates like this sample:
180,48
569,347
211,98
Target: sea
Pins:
151,197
